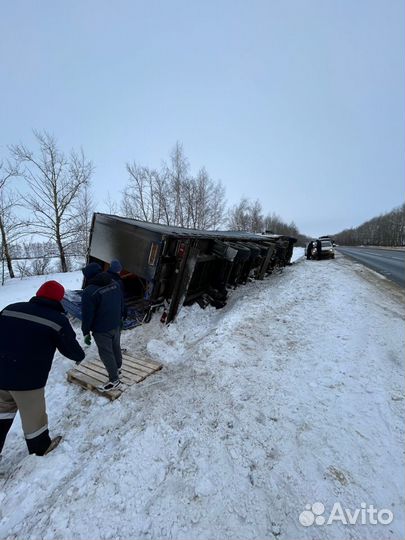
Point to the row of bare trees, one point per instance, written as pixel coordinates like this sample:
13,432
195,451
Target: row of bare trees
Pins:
28,248
172,195
249,216
384,230
52,202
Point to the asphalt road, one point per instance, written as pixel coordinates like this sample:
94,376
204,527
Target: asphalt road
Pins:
388,262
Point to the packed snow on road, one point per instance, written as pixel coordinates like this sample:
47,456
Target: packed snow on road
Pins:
267,413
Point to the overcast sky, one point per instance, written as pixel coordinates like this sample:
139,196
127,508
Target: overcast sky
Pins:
299,103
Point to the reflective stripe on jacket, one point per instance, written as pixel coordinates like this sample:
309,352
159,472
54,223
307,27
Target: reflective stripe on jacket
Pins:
30,333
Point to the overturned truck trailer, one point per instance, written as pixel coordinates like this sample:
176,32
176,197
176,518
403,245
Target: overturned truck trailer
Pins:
171,266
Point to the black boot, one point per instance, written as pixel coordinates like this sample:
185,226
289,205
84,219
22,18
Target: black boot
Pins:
39,445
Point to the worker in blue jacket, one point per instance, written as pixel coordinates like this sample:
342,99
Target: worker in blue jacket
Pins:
30,333
102,313
115,272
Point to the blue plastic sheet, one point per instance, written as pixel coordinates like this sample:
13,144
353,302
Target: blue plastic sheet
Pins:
72,303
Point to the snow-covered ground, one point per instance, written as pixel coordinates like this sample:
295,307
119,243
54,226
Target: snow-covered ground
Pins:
290,395
21,290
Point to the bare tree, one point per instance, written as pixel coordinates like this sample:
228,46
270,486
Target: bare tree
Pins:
256,217
178,174
24,268
110,204
84,206
246,216
172,196
204,201
273,223
140,196
217,206
40,266
163,196
238,216
55,181
12,226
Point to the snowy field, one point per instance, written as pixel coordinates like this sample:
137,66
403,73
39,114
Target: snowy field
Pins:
290,395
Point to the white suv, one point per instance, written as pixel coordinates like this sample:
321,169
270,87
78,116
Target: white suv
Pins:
327,250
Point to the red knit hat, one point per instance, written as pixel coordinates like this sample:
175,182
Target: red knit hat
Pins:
51,290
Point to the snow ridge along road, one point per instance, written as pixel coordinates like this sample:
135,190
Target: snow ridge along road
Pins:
290,395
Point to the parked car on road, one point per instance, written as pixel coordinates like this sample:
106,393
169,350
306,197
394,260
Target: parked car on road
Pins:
320,249
327,250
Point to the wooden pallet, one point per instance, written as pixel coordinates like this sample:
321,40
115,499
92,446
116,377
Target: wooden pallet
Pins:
91,373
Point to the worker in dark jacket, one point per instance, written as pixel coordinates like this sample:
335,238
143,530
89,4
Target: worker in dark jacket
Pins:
30,333
319,249
114,271
102,312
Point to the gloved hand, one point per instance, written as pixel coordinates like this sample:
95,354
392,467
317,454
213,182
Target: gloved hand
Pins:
87,339
122,325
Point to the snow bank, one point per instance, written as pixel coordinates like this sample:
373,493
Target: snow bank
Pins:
292,397
21,290
298,253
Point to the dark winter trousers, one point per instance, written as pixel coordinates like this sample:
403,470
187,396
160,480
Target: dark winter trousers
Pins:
34,420
109,349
